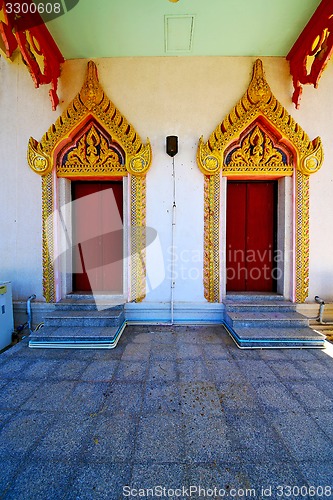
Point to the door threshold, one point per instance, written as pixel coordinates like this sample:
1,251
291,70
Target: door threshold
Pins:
259,296
101,297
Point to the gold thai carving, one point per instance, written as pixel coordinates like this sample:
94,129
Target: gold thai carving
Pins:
37,161
312,162
258,101
257,156
92,156
254,170
138,238
257,148
208,161
91,103
212,238
139,163
302,236
48,237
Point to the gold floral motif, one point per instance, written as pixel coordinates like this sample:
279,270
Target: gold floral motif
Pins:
257,148
139,164
312,162
209,161
38,162
212,238
138,238
302,237
254,170
92,157
48,238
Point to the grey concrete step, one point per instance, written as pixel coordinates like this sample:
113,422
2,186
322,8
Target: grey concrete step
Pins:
253,337
273,319
84,318
255,297
250,306
76,337
267,320
86,304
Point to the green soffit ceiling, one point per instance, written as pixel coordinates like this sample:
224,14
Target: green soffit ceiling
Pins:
127,28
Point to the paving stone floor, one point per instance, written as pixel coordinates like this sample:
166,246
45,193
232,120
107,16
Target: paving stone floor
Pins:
169,411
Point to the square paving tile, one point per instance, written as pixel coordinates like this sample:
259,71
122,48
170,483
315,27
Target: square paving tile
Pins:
123,397
41,480
109,439
85,398
64,439
136,352
192,370
161,398
303,437
9,469
159,476
200,398
16,392
311,396
288,370
220,477
277,398
131,370
237,394
159,440
50,396
206,439
22,432
100,371
99,481
271,478
162,371
253,438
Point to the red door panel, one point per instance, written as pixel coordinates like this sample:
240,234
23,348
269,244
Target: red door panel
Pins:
251,212
97,236
236,236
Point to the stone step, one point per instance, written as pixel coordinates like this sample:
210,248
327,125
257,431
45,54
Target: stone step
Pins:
249,338
259,319
76,337
85,318
249,307
255,297
69,304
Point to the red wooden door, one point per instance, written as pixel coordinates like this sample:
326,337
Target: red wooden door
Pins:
97,214
251,230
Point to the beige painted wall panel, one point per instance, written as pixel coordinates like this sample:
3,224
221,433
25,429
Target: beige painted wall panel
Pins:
186,97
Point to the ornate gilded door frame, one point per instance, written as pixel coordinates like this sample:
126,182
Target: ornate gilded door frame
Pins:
92,139
258,139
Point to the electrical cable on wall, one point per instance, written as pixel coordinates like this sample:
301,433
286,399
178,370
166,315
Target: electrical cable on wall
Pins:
172,150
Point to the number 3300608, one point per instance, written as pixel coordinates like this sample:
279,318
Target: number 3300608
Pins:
32,8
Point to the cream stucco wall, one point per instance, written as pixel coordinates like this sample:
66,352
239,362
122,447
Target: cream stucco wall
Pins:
179,96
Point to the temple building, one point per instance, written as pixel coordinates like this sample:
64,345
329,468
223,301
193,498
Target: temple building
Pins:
184,163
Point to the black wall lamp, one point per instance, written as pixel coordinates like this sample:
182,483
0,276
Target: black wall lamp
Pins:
172,145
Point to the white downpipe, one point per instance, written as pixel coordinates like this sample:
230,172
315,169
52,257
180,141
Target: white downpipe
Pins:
173,260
